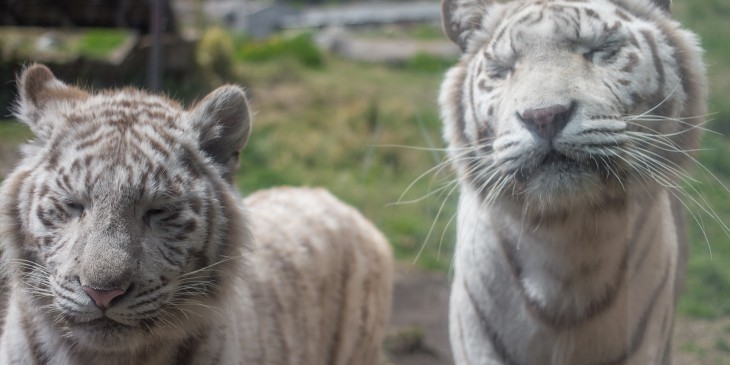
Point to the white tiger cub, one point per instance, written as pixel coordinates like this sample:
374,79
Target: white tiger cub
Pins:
125,242
569,123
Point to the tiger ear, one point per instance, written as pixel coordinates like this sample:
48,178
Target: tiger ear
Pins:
460,18
223,123
39,90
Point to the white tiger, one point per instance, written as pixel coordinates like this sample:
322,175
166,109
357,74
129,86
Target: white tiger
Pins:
125,242
569,123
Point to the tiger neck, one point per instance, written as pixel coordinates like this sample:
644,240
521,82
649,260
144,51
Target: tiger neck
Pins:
573,269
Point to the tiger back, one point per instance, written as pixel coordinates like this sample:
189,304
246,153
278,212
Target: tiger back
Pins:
124,241
570,124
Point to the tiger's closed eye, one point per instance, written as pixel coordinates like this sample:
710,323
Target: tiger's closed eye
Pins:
590,54
607,52
76,208
151,214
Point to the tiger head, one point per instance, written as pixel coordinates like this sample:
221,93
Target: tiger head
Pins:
121,222
558,104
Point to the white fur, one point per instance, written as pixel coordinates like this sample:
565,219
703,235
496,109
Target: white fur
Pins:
548,226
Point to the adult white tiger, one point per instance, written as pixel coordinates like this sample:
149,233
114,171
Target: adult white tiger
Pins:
124,242
568,122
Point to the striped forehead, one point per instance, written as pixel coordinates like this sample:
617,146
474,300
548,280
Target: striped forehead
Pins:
562,21
115,142
126,108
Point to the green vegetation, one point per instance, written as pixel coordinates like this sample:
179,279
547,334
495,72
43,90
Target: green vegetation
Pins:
423,32
722,345
23,43
214,55
709,273
708,18
101,42
693,347
298,47
13,133
708,279
352,128
424,62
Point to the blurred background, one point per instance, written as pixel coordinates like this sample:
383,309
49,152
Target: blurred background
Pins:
345,97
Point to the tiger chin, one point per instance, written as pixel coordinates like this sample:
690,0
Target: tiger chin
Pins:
570,124
125,241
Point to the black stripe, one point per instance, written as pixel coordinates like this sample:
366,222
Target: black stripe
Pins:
340,332
638,335
499,37
631,63
497,345
559,321
278,305
623,15
39,357
647,248
170,261
615,96
601,130
658,65
186,351
592,14
462,342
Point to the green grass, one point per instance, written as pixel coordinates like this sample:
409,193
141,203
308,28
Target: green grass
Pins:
708,270
19,43
423,62
349,128
722,345
709,19
298,47
708,278
423,32
693,347
13,133
99,43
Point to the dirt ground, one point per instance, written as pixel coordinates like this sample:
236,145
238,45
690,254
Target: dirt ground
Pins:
418,332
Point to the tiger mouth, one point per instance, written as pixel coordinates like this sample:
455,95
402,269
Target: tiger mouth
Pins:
557,163
555,158
552,161
103,323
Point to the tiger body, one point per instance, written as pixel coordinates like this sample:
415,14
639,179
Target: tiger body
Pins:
569,123
125,242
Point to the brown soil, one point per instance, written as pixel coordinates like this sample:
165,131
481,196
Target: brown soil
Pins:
418,332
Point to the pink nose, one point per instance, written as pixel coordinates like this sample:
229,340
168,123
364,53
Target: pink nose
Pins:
547,122
102,298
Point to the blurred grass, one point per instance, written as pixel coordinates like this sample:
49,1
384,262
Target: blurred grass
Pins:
350,127
23,43
707,290
100,43
13,133
709,19
298,47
